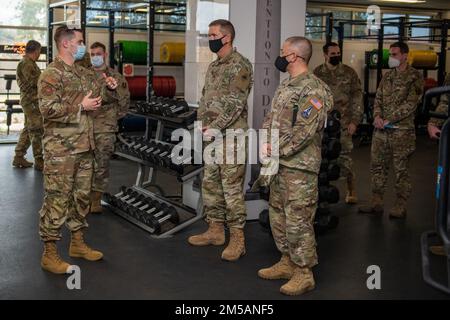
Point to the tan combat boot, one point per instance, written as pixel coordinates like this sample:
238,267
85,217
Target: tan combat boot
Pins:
51,261
283,269
375,207
438,250
21,162
236,246
215,235
399,209
96,202
302,281
39,164
351,197
79,249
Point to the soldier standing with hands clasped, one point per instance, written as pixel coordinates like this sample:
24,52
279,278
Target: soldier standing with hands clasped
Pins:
224,106
299,111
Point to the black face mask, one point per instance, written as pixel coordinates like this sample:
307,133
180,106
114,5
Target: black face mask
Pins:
281,63
216,45
334,61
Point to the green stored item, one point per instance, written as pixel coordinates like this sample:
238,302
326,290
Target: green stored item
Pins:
374,58
134,52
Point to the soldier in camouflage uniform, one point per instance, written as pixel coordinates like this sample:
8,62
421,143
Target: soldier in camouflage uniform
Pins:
105,124
68,94
394,138
27,77
224,106
434,131
299,111
347,95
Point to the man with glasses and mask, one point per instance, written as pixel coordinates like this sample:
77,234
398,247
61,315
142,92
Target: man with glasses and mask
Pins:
348,100
223,106
394,138
299,110
105,123
68,94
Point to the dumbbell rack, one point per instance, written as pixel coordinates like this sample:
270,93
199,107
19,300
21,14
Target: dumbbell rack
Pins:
145,178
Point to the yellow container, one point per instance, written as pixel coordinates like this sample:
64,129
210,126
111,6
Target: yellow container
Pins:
172,52
422,58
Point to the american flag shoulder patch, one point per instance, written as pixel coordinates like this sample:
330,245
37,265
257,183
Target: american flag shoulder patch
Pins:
316,103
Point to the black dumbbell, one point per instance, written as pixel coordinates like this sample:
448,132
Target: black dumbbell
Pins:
141,210
323,178
329,194
156,220
154,155
174,107
120,202
334,172
113,199
333,123
332,149
165,157
135,202
148,153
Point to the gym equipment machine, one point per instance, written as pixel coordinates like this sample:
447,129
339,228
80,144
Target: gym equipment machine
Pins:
442,231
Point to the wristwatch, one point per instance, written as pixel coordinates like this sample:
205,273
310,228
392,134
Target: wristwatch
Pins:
82,107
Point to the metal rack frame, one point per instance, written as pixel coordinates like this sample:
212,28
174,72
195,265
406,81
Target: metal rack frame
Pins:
145,178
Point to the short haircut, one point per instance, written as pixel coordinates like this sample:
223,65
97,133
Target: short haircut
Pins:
64,32
32,46
302,46
97,44
327,45
225,27
401,45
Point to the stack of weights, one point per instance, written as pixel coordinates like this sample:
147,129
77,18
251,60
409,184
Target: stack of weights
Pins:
170,109
156,153
156,215
162,106
329,171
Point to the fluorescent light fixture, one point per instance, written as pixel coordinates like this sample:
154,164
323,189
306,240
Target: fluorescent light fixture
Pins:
405,1
101,17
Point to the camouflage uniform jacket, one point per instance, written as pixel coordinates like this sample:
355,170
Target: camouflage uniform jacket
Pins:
299,111
347,92
105,119
224,97
397,97
61,88
27,78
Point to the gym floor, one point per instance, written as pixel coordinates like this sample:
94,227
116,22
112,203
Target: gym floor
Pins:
137,266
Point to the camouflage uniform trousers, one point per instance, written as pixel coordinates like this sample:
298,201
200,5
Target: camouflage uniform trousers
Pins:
292,208
67,187
31,134
104,149
223,193
396,146
345,161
